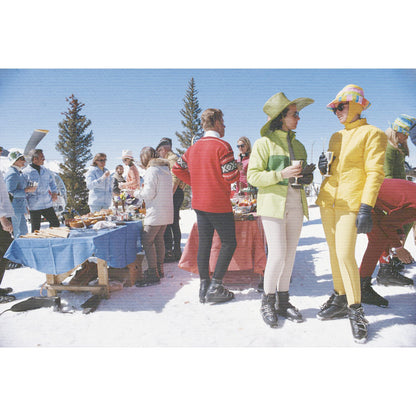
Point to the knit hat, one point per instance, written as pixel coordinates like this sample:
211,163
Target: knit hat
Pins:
127,154
164,142
277,103
13,156
352,93
403,124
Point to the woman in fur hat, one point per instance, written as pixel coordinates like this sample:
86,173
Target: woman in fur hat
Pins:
157,195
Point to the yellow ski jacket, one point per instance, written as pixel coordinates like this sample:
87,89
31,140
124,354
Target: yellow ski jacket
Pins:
357,169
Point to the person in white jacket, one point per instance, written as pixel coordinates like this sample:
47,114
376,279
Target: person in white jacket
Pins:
40,202
99,184
158,197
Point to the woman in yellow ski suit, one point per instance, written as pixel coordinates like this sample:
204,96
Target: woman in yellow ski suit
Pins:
346,199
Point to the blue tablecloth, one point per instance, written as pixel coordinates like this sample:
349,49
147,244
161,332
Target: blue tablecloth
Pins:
59,255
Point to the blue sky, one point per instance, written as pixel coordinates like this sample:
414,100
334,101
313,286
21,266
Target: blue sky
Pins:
132,108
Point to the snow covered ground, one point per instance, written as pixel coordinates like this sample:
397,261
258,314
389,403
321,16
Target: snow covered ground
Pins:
170,315
160,380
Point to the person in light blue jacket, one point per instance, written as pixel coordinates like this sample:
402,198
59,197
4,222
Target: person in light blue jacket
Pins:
41,201
6,228
99,184
17,187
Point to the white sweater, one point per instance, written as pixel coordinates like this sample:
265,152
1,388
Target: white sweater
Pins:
157,193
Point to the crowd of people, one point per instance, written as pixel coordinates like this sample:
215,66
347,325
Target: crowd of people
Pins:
364,190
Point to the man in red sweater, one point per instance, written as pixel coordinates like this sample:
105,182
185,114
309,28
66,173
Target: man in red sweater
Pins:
395,207
209,167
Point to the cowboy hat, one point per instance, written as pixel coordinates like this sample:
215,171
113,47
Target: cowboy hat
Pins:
277,103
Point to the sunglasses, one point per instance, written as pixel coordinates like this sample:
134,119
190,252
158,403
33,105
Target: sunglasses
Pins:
240,145
339,107
101,160
295,114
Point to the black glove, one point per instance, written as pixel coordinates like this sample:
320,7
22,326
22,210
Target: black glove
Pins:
307,174
308,169
364,222
306,179
323,163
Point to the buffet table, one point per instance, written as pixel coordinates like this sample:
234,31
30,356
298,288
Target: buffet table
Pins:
250,254
59,257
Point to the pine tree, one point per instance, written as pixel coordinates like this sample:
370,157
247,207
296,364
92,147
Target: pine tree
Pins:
192,125
191,121
74,144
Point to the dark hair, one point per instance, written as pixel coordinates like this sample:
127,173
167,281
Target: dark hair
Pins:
277,123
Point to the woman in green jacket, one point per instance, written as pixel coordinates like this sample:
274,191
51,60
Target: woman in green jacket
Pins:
396,152
280,202
346,199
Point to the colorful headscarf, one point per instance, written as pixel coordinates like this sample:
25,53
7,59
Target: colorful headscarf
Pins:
403,124
352,93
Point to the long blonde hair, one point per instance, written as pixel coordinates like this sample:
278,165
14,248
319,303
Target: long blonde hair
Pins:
247,143
394,141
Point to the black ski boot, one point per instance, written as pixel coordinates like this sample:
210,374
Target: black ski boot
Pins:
7,298
203,288
177,252
150,278
12,265
217,293
268,310
369,295
5,291
397,264
388,276
286,309
169,257
358,323
335,307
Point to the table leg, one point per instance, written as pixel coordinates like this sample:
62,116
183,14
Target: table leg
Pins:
50,280
103,276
